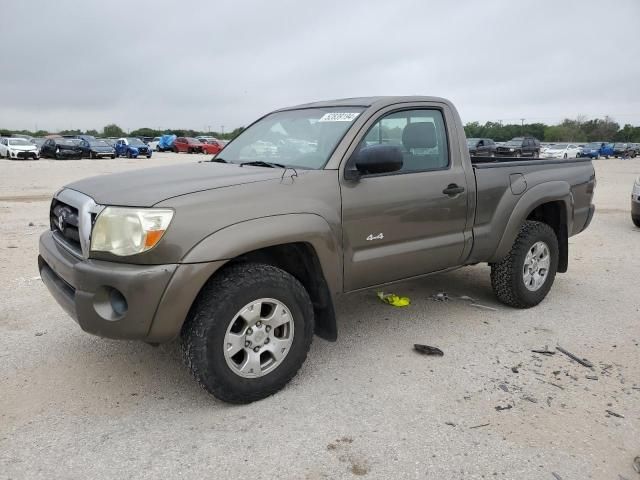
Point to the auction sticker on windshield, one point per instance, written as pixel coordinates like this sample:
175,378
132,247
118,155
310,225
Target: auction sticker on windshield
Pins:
339,117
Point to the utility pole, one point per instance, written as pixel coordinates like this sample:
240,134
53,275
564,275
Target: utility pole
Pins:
522,125
221,130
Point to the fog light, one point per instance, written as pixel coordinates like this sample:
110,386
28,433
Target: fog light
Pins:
110,303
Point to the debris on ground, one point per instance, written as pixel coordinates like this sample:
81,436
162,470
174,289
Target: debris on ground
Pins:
469,299
31,224
516,369
581,361
39,334
451,424
484,307
556,476
427,350
614,414
394,300
530,399
440,297
544,351
481,425
503,387
500,408
591,377
636,464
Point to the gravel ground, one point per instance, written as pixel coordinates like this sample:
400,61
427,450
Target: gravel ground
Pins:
73,406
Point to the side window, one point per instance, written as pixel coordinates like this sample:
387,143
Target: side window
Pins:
420,134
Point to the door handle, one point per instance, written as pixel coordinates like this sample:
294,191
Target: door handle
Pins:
453,189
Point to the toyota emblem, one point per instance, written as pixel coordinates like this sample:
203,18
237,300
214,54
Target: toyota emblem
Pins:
61,222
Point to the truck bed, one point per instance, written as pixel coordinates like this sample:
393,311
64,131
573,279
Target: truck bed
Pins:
502,183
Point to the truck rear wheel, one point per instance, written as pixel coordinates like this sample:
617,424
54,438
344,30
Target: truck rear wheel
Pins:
248,332
525,276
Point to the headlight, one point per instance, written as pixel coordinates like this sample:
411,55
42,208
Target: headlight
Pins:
512,149
127,231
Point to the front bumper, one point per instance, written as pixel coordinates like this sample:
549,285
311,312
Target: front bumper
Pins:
105,298
23,154
118,300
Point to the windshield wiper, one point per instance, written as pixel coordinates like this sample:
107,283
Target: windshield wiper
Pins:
218,160
261,163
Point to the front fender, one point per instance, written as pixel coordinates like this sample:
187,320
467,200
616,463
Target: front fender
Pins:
247,236
536,196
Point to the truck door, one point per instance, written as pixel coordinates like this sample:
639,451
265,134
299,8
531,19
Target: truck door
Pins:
409,222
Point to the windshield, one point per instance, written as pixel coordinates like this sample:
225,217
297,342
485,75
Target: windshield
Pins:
472,141
193,141
136,142
69,141
558,146
302,138
595,146
514,141
19,142
619,145
98,143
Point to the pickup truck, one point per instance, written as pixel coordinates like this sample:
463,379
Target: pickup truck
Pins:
243,258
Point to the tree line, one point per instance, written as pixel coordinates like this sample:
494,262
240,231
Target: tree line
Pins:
569,130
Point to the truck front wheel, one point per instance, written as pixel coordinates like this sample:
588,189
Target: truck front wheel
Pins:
525,276
248,332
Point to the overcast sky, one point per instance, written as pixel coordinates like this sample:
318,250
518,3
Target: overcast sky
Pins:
202,64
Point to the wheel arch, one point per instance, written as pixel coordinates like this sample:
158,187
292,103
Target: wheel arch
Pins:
301,244
550,203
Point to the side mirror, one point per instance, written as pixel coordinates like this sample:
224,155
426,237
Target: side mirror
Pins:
374,159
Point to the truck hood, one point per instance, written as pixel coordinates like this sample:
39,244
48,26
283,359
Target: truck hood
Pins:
145,188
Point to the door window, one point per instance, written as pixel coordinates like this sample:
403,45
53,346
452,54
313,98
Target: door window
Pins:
420,134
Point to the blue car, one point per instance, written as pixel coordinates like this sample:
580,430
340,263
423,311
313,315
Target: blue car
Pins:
597,150
131,147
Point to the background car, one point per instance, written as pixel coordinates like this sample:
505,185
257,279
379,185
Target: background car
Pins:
520,147
188,145
212,146
18,149
153,143
38,142
131,147
562,150
635,203
481,147
61,148
624,150
97,148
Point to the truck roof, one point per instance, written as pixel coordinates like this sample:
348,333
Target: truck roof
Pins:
380,101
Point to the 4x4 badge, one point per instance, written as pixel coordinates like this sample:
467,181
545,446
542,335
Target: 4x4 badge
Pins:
371,237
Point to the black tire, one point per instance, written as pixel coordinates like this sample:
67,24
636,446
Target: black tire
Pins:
149,156
91,155
636,220
597,157
506,275
565,156
128,154
112,157
221,298
536,154
518,154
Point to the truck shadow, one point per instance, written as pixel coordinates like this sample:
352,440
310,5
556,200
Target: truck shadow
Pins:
133,373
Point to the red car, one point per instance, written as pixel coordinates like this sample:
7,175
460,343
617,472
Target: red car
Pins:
212,146
188,145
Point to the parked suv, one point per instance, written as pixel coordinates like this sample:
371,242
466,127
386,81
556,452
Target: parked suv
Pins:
481,147
520,147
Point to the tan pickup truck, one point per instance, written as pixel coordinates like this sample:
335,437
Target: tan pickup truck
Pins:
243,256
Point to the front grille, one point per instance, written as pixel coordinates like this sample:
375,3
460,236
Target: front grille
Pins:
26,155
63,219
